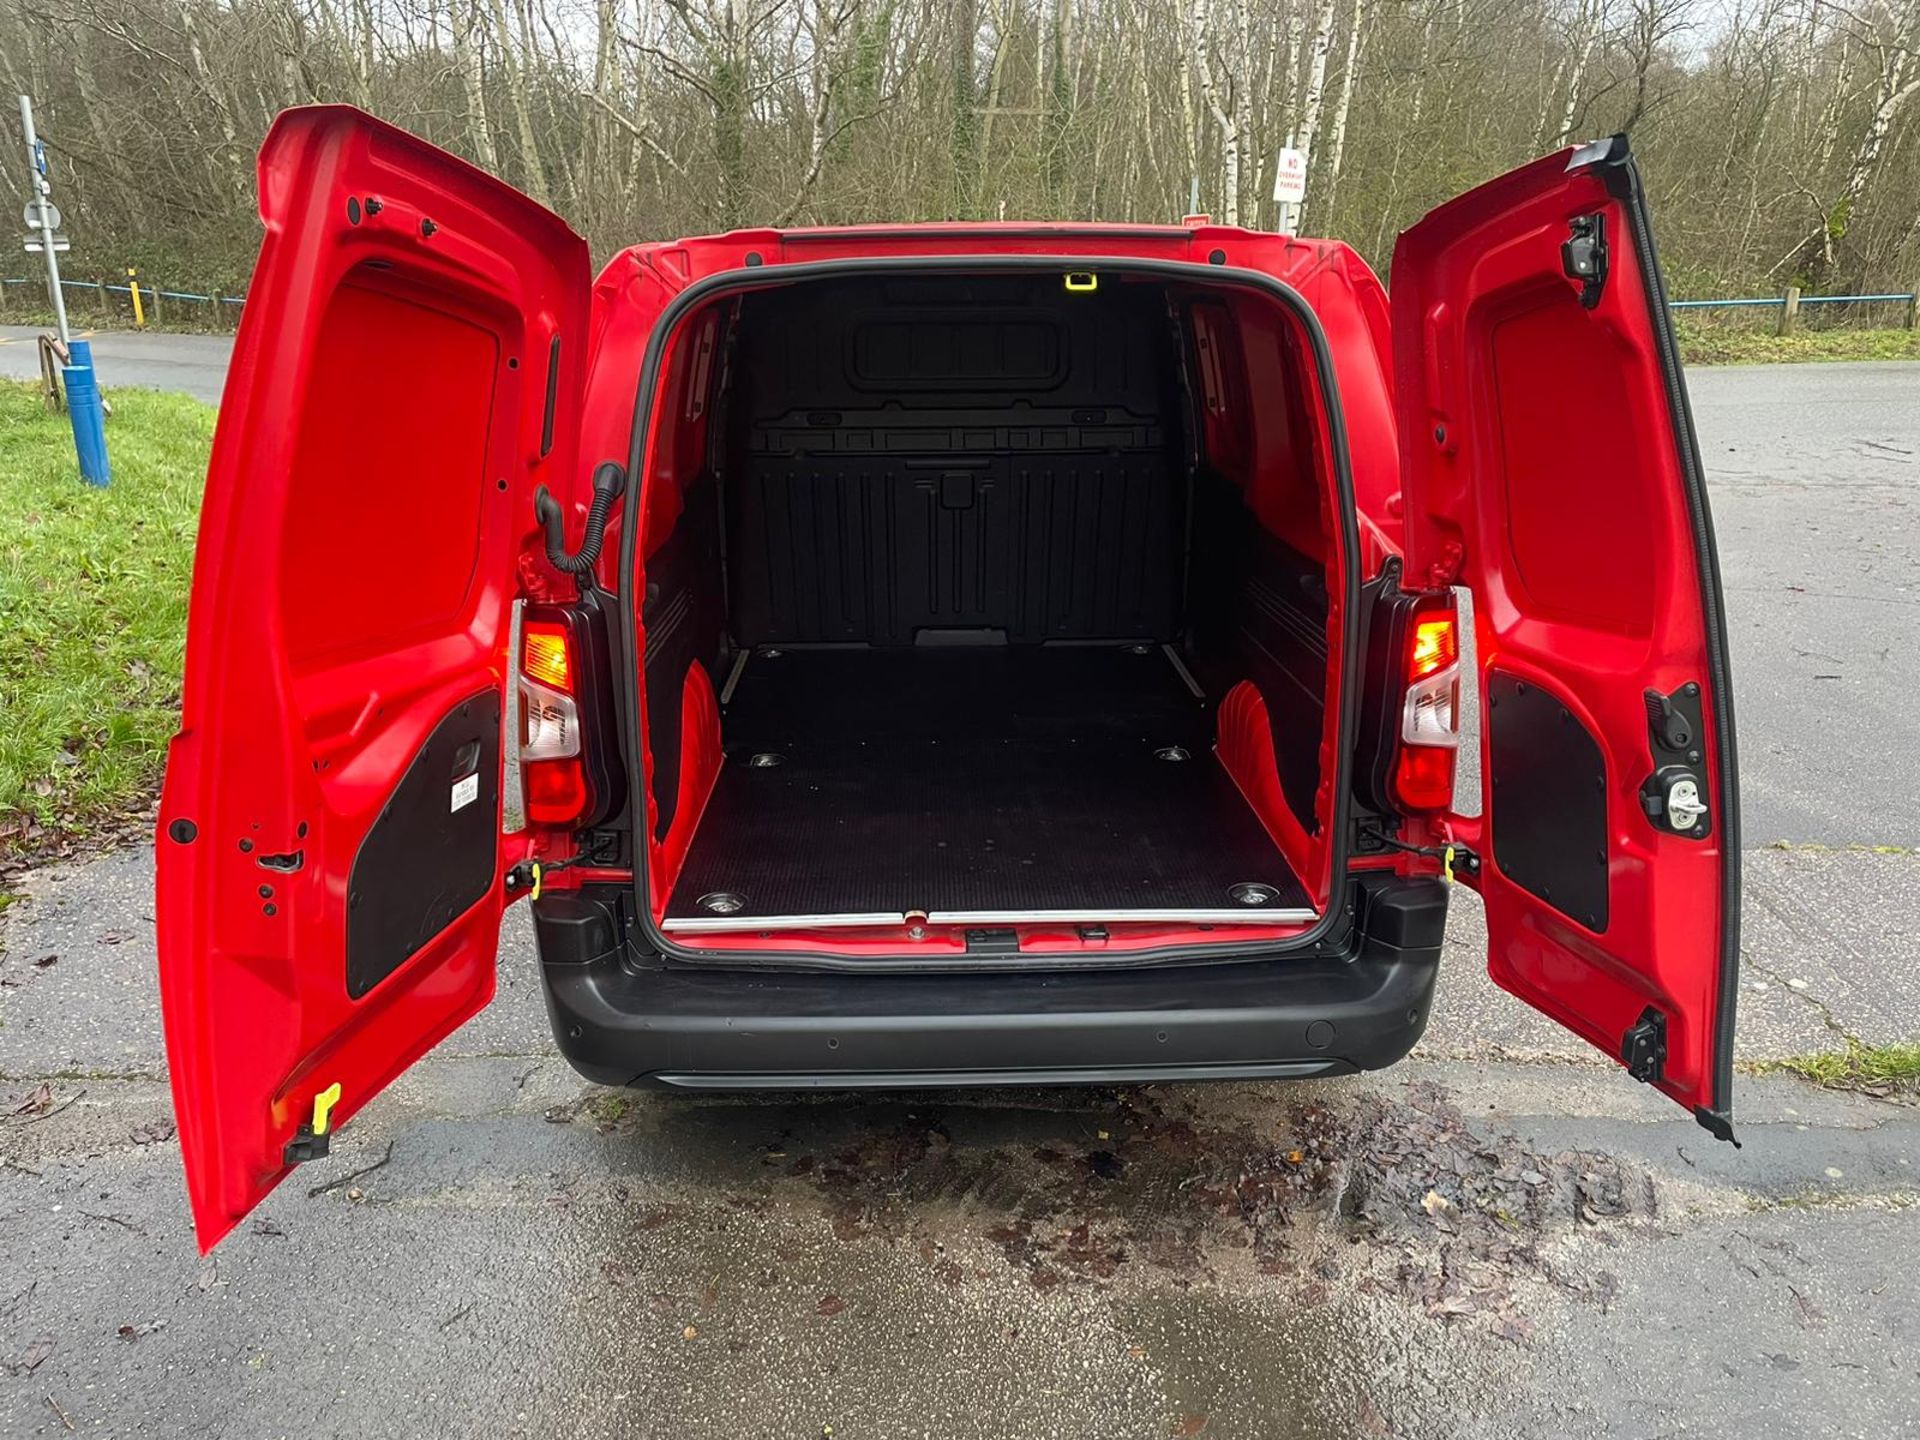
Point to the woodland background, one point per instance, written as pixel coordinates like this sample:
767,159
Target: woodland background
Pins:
1778,137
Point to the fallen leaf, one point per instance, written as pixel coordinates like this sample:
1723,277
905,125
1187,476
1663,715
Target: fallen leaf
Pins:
830,1305
134,1332
1190,1425
36,1352
1434,1203
37,1100
42,962
692,1332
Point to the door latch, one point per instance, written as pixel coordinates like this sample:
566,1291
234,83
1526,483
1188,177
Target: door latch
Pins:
1674,796
1644,1047
316,1137
1583,255
1685,808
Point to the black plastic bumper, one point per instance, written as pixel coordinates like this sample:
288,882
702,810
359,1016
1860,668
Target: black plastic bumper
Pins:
625,1019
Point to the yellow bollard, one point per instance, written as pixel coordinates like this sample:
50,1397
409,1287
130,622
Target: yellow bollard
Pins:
139,314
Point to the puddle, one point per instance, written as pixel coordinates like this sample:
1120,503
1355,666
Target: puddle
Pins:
1339,1258
1315,1189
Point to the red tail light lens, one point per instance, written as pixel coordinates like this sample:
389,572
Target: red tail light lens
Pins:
556,791
553,774
1430,712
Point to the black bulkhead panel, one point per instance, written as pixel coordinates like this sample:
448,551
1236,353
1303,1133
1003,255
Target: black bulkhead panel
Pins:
917,455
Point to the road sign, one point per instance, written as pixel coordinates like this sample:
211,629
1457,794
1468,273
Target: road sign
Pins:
38,213
1290,177
36,246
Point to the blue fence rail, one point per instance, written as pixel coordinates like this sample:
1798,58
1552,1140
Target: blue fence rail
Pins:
101,287
1789,302
1778,300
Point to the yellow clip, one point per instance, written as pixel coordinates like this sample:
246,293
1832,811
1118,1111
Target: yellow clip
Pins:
1082,282
539,871
323,1104
1446,865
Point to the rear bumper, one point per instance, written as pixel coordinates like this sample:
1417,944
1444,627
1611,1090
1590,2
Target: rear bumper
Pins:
622,1019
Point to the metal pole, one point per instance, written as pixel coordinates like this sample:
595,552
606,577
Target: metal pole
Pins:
41,190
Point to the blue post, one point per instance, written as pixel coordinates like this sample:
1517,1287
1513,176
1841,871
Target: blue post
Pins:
88,415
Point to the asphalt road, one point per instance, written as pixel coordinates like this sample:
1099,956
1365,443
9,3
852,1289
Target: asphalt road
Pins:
496,1247
195,365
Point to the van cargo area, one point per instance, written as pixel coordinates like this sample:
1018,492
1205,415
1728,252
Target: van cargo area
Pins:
988,601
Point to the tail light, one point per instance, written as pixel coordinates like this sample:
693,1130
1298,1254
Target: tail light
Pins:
1430,711
553,768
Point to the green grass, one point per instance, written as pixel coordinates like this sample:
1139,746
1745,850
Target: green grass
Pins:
93,588
1709,344
1861,1067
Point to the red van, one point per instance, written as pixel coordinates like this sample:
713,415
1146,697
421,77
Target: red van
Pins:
924,655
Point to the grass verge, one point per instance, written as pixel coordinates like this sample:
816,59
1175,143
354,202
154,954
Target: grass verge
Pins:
1726,345
93,585
1878,1068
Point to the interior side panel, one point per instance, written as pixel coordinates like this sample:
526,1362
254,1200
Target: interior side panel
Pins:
685,618
1261,615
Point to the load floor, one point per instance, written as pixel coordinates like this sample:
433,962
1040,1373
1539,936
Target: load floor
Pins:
973,785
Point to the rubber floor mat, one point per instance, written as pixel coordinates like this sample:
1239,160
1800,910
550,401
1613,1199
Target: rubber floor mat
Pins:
919,786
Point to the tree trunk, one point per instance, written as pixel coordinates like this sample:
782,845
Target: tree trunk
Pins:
229,159
1586,33
1337,157
533,175
1198,48
466,45
1315,100
964,136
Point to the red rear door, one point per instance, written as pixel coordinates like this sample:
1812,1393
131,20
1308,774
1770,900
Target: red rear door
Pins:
330,849
1551,468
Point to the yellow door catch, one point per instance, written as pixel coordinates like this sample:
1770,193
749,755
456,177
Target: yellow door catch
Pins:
313,1141
323,1104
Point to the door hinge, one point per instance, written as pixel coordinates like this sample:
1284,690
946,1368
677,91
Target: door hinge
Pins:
1674,796
1644,1047
1583,255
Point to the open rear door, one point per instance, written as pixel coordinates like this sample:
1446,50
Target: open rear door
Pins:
330,869
1551,468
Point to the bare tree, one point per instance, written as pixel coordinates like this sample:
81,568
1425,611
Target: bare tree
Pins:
1780,136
